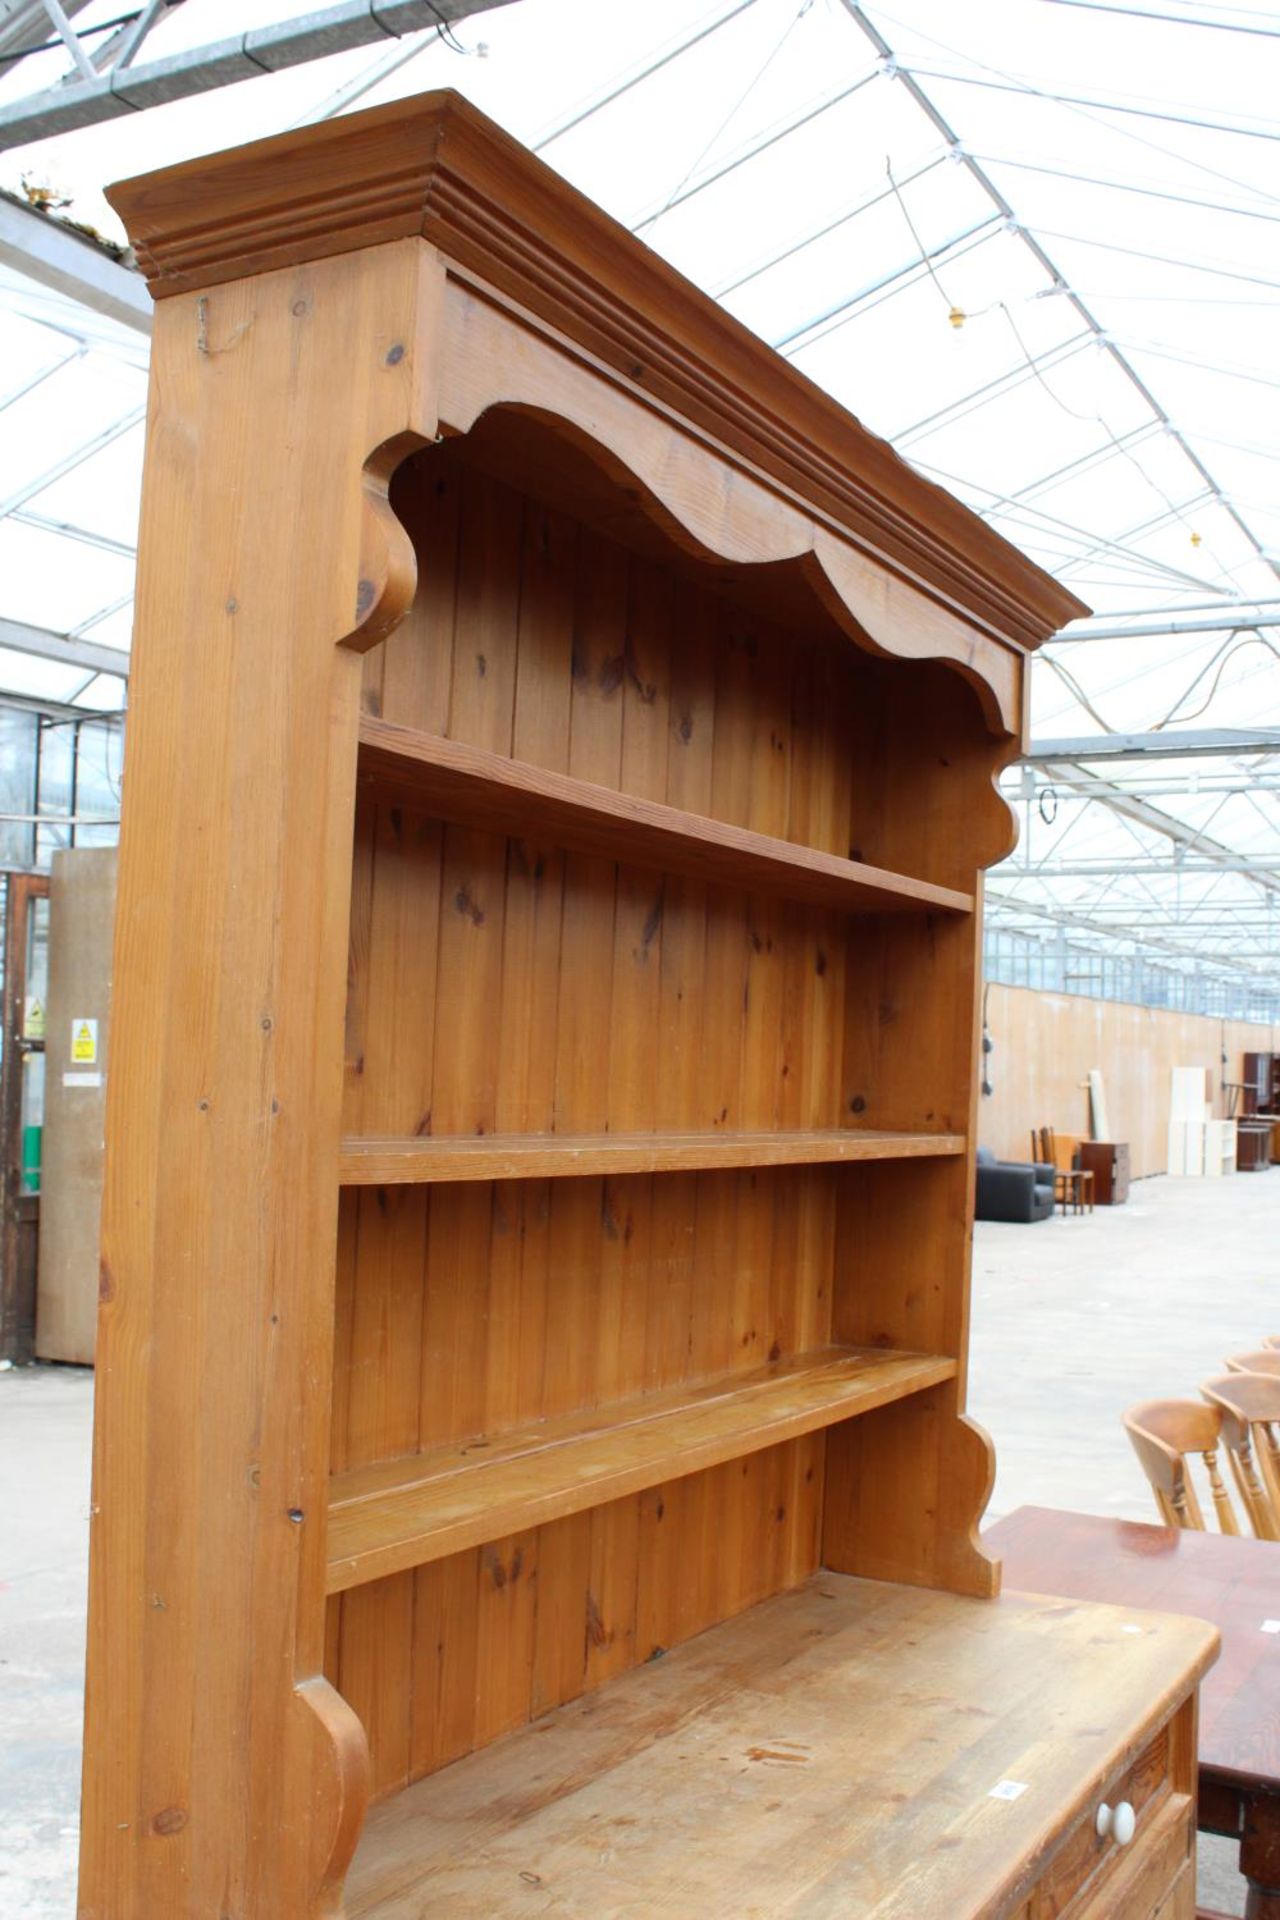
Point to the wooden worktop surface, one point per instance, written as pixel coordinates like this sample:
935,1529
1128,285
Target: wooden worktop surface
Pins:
833,1751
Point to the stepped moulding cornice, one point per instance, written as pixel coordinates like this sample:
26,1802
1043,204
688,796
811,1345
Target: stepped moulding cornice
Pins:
519,236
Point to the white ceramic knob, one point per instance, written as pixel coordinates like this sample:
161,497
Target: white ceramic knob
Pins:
1117,1823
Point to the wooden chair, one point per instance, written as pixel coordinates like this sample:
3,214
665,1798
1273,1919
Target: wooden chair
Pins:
1163,1433
1073,1185
1249,1405
1263,1359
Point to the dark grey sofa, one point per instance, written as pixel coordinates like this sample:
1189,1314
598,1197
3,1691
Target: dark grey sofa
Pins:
1020,1191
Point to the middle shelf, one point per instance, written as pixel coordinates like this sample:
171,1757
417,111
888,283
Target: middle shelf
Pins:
420,1507
374,1161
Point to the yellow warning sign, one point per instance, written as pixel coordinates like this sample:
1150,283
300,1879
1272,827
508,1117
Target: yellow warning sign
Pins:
84,1043
33,1021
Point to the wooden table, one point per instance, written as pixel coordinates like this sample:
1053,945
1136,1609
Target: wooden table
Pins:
1233,1583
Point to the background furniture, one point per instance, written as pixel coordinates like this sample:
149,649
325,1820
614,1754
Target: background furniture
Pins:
1263,1359
1253,1144
1011,1190
1073,1186
1261,1083
1165,1434
82,890
1108,1162
1231,1582
540,1148
1198,1144
1249,1404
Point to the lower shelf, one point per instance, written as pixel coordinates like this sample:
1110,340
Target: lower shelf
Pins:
833,1751
405,1512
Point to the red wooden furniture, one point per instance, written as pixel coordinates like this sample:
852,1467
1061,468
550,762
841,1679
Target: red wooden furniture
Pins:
1233,1582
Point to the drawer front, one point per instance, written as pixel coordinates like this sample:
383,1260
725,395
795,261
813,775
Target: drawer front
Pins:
1084,1859
1154,1877
1180,1901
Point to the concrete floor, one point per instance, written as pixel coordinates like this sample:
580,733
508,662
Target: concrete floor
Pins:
1073,1319
45,1419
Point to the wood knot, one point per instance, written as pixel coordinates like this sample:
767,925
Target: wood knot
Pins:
169,1820
395,355
366,594
106,1282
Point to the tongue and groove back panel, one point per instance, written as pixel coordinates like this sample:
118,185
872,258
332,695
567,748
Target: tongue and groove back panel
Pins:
505,985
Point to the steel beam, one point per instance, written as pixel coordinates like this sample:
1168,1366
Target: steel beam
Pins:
66,648
623,84
76,458
25,24
916,268
814,234
1171,19
1067,917
1102,869
1129,807
1225,622
1204,742
56,256
60,709
221,63
1001,84
938,120
761,144
124,549
1220,605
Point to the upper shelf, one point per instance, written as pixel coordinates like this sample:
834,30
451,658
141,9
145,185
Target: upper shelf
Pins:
482,789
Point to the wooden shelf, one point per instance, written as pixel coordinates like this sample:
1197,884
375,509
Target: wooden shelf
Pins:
409,1161
405,1512
483,789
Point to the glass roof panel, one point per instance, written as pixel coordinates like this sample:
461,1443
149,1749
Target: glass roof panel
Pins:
1095,194
54,582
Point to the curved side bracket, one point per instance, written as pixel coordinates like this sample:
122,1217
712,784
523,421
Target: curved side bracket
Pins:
1004,829
387,577
334,1756
966,1566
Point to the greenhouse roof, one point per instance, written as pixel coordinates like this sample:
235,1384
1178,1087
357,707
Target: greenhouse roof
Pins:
1033,243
